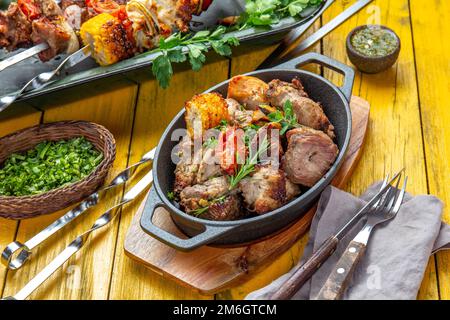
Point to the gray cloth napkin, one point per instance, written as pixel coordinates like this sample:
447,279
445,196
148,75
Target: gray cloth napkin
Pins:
396,257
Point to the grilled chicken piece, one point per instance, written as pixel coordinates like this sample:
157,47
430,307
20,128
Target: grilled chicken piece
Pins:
248,91
267,189
308,112
309,155
213,194
205,111
108,38
15,29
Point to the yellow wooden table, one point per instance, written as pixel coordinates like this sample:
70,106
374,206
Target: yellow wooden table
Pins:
409,126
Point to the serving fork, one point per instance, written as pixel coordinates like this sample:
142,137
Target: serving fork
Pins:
386,209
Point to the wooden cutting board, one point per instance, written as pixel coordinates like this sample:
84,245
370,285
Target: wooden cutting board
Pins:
212,269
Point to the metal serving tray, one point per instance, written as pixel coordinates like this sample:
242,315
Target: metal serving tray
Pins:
13,78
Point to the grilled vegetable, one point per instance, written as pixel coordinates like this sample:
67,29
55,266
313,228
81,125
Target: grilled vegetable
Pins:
205,111
109,39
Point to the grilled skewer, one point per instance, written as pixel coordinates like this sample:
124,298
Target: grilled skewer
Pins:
121,28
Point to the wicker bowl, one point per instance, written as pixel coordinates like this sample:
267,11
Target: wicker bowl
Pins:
31,206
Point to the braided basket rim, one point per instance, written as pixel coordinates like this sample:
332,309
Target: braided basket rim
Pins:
74,191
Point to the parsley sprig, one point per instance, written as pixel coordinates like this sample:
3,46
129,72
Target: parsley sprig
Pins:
192,46
287,119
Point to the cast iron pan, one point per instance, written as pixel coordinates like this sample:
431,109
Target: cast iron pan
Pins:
335,102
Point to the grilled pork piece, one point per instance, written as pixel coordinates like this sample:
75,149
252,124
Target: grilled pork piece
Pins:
309,155
209,166
15,29
308,112
248,91
187,166
75,12
267,189
214,195
56,32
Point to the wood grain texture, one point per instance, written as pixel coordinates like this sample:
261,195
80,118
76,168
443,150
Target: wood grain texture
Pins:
395,137
432,52
208,269
18,117
339,279
87,275
155,109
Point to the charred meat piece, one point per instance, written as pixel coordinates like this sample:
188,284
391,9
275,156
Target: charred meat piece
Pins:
248,91
214,197
75,12
187,166
209,166
15,29
267,189
240,117
309,155
56,33
308,112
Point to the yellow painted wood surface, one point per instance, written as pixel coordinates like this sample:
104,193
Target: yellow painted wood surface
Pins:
408,127
430,34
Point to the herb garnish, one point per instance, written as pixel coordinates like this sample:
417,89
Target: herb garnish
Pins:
249,165
171,195
193,46
211,143
48,166
199,211
288,120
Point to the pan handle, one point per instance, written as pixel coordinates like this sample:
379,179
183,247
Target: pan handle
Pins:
346,71
154,202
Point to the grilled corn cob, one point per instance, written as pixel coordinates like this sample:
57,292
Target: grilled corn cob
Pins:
205,111
108,39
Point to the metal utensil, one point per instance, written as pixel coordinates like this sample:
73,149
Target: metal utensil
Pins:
277,56
23,251
79,241
305,271
338,281
43,79
8,62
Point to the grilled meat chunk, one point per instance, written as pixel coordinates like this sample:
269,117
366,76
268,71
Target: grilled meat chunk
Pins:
248,91
187,166
209,166
56,32
15,29
267,189
308,112
215,196
309,155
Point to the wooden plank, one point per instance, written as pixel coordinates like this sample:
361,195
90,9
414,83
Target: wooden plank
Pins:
394,139
155,108
430,29
87,275
19,116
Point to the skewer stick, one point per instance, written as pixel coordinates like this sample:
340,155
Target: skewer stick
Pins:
8,62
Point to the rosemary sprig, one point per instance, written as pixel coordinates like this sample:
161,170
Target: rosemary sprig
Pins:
249,165
199,211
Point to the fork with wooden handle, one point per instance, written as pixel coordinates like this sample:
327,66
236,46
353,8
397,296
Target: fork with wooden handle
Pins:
305,271
338,281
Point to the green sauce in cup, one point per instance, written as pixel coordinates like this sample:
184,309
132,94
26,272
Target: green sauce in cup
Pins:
374,42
